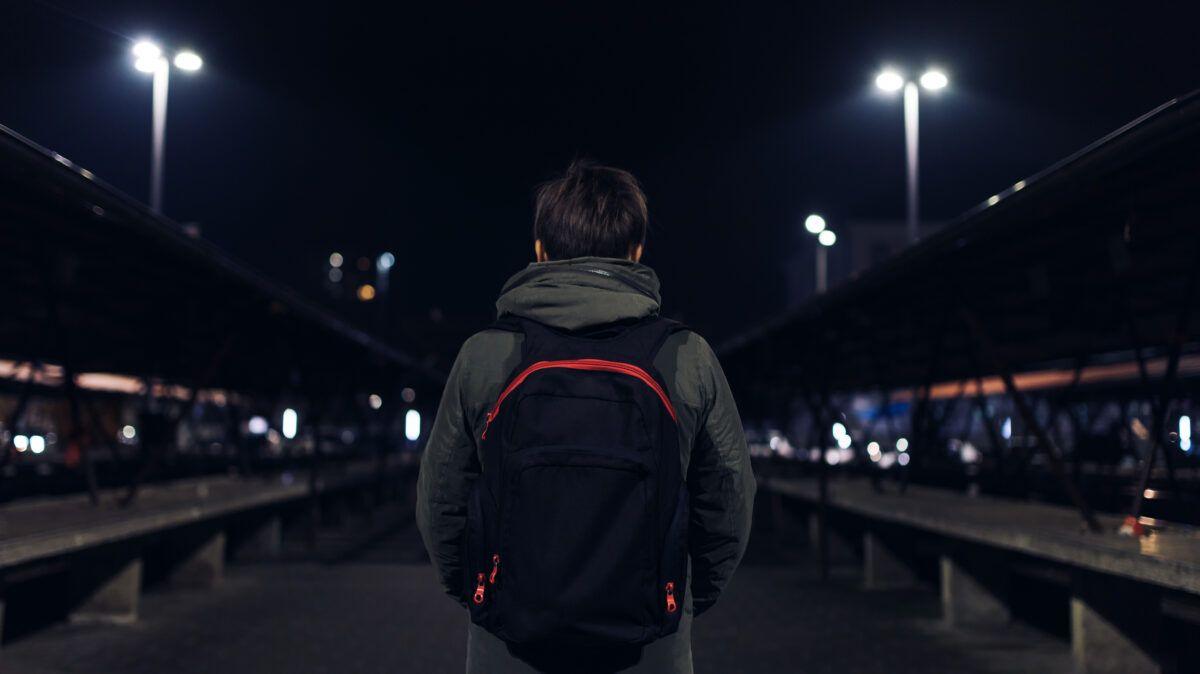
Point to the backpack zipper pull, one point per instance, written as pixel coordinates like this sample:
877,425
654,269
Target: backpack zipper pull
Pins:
495,569
671,605
478,598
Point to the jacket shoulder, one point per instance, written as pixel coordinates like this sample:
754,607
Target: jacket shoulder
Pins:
688,364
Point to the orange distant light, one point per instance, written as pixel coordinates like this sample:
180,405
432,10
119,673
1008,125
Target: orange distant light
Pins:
366,292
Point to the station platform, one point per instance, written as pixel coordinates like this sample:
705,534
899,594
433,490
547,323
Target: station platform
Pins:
381,611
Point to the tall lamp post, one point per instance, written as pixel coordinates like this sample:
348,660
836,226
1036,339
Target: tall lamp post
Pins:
149,59
815,225
891,81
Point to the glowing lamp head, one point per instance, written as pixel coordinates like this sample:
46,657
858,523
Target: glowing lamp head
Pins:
146,50
814,223
889,80
189,61
934,80
827,238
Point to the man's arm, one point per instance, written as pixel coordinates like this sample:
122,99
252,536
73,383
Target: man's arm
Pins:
448,468
722,490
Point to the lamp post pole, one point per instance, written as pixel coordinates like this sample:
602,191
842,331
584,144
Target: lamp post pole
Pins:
911,108
150,60
162,76
815,225
891,80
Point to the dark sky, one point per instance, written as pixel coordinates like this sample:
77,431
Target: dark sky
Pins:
422,130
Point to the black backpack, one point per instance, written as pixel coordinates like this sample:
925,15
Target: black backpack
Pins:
576,530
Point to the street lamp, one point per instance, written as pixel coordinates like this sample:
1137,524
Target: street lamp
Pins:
891,81
148,58
815,225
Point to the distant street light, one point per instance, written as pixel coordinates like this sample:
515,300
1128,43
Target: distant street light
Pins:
149,59
891,81
815,224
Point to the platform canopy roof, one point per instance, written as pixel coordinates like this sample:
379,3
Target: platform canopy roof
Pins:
1086,261
95,281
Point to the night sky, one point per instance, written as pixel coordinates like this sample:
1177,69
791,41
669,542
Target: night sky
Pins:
423,130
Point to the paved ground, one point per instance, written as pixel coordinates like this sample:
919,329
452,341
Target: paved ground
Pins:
380,612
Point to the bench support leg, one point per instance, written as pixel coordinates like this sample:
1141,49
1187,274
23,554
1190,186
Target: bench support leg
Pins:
1113,626
882,567
205,566
115,601
968,602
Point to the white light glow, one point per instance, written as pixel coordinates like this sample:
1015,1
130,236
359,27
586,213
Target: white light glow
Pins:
335,260
412,425
291,422
814,223
257,426
189,61
145,49
1006,428
844,441
832,457
385,262
21,442
903,459
128,432
827,238
889,80
146,65
902,445
838,430
375,401
993,200
873,449
1185,433
37,444
934,80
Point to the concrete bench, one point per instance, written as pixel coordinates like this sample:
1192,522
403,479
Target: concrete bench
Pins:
1120,587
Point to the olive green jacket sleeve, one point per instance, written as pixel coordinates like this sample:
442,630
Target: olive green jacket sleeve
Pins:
450,463
719,478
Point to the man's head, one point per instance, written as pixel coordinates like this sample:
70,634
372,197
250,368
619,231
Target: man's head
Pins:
591,210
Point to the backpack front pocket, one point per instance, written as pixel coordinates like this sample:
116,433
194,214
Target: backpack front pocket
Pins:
580,554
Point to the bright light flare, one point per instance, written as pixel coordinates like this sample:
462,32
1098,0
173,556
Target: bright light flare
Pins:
827,238
385,262
21,442
934,80
889,80
814,223
37,444
291,423
257,426
902,445
412,425
375,401
128,432
189,61
147,50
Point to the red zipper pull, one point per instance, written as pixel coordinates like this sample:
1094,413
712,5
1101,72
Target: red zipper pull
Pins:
495,569
479,588
671,605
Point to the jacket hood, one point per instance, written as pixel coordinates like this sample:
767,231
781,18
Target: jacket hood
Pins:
581,292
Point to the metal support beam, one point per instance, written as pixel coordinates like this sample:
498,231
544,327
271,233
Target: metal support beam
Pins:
1030,417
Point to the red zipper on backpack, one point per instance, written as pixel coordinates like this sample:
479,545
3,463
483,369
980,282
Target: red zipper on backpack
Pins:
591,364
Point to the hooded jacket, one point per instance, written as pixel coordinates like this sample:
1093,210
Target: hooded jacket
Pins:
574,295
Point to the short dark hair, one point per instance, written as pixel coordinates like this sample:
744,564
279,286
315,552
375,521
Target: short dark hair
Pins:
591,210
